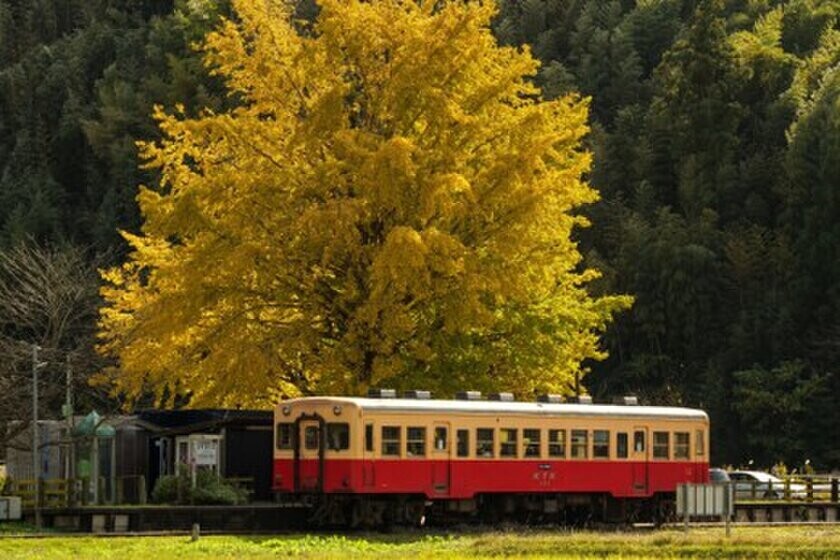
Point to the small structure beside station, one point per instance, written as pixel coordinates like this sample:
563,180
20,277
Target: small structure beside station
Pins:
96,460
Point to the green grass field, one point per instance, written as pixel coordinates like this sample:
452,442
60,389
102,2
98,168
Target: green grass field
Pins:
745,542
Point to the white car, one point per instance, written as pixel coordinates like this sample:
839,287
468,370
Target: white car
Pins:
762,485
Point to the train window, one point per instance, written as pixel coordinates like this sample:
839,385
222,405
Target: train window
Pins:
601,444
699,443
440,438
681,445
508,438
415,442
484,442
621,445
391,440
284,435
369,437
660,445
531,441
338,436
463,443
556,443
638,442
310,437
579,444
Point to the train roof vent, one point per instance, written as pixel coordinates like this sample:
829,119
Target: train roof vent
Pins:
382,393
504,397
417,394
581,399
627,400
468,395
551,398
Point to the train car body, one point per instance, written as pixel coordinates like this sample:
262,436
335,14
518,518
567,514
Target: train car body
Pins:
462,450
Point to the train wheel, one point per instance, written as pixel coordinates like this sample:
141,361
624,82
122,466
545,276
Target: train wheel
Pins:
415,513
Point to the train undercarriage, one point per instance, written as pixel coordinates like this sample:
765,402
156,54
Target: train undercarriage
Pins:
383,511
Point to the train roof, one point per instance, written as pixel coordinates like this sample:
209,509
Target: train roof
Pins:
509,407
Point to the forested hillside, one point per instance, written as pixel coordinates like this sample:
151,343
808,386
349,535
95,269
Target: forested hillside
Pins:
716,142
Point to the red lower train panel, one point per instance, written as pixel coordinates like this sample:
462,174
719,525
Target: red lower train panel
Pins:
464,479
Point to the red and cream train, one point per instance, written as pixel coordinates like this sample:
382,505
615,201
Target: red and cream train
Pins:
368,461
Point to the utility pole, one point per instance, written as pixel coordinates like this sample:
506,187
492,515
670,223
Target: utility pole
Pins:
67,410
36,471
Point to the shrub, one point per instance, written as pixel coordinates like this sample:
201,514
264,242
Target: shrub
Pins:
209,489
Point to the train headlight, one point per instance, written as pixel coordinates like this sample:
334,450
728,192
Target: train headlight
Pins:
287,410
337,410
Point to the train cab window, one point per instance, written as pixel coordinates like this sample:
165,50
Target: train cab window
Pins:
441,439
601,444
556,443
310,437
338,436
639,442
415,442
699,443
580,444
681,445
621,445
660,445
531,442
484,442
284,435
369,437
463,443
509,441
391,440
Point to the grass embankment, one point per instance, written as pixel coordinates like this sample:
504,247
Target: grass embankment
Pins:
745,542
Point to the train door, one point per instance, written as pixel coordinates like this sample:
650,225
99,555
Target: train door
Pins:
309,454
441,450
368,473
639,457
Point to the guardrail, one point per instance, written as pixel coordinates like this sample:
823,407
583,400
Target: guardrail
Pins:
63,492
807,488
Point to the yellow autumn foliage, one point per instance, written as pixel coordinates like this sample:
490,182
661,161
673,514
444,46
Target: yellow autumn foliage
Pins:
391,204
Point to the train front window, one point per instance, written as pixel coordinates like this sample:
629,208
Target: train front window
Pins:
509,439
681,445
310,437
660,445
391,436
621,445
579,444
699,443
338,436
531,440
601,444
484,442
415,442
556,443
284,435
463,443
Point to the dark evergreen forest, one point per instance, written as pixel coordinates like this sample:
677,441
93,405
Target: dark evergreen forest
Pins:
716,136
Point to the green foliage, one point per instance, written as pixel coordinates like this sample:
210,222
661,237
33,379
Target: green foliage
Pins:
771,405
715,147
78,81
209,489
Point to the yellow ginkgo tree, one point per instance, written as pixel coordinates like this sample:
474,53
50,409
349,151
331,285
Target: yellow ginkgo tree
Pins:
390,204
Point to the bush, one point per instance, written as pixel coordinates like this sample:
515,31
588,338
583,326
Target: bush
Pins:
209,489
